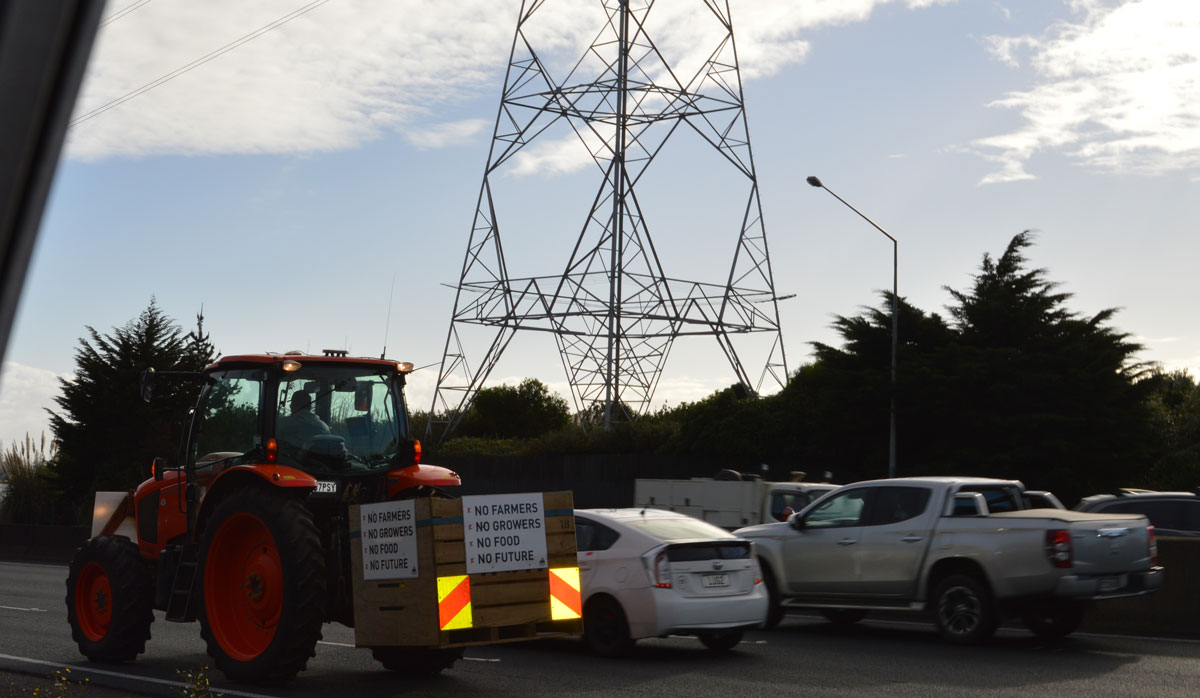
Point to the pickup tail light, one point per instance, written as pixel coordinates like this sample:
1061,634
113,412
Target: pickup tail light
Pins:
1058,547
658,568
1152,543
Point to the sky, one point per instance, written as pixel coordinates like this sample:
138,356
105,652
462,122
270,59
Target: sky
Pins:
295,169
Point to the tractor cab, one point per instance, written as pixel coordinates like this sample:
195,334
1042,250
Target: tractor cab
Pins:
328,416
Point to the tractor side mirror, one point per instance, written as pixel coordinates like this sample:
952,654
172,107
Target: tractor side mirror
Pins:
147,386
157,466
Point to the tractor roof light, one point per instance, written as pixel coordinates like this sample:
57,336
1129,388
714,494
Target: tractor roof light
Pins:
404,366
290,365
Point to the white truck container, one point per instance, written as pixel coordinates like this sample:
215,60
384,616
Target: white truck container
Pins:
731,503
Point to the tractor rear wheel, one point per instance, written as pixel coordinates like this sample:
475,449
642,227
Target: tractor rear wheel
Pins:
262,582
110,598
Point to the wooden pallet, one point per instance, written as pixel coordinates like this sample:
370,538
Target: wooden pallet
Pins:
506,606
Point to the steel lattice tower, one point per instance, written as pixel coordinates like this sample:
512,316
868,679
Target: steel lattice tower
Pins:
613,311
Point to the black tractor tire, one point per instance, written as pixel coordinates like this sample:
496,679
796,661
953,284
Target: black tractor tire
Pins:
1054,622
605,628
416,661
963,610
775,610
843,616
110,599
721,641
262,586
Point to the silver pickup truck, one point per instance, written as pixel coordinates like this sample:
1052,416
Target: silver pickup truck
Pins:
964,550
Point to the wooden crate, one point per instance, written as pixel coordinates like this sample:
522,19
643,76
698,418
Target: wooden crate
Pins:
506,606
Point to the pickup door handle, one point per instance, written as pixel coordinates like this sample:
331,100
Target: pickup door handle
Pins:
847,541
911,539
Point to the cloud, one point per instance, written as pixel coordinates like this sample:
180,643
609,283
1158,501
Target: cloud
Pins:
350,71
442,135
1117,91
25,394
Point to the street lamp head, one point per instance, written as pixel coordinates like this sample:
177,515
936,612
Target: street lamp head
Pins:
815,182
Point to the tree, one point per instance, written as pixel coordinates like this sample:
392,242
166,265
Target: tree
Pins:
526,411
106,434
1017,385
1174,404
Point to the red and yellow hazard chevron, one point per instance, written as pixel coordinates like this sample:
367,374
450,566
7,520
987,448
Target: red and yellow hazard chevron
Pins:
454,602
565,601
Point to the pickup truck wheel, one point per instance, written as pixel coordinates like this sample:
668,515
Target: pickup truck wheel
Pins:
843,616
963,610
1056,622
720,642
774,610
416,661
605,628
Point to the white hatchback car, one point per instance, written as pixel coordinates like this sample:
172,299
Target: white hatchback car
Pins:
651,573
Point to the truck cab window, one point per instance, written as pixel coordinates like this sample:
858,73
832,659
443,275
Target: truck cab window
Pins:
843,510
896,504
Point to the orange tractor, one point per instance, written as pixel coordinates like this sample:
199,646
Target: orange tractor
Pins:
250,534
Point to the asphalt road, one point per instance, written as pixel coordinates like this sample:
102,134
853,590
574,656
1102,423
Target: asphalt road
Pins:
804,656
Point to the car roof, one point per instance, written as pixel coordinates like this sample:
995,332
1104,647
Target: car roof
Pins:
944,480
633,514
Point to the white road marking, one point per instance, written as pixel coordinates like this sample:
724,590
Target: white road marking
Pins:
480,659
18,608
335,644
131,677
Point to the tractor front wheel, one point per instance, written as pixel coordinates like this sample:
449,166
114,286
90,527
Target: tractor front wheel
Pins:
262,581
110,598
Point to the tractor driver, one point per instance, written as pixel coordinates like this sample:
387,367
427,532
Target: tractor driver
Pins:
301,425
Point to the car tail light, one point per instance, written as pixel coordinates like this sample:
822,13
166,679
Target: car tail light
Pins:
1152,544
757,564
1058,547
658,568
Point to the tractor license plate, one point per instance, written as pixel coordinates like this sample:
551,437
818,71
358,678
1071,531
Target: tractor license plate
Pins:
1111,583
327,486
715,580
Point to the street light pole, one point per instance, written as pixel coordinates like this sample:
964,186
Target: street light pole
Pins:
813,181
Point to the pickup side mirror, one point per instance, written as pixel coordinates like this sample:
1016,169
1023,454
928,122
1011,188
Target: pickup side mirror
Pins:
968,504
797,522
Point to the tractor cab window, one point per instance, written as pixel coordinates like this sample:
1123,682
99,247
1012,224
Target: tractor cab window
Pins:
226,421
340,418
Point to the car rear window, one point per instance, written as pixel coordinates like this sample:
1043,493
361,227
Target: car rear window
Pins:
696,552
678,529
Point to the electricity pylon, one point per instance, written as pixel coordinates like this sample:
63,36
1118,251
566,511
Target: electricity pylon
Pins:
613,311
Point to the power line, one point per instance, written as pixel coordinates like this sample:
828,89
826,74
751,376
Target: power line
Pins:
121,13
198,62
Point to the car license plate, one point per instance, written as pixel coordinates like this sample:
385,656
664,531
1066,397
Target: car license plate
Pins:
1111,583
716,580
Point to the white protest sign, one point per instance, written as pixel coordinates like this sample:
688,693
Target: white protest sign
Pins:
504,532
389,540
